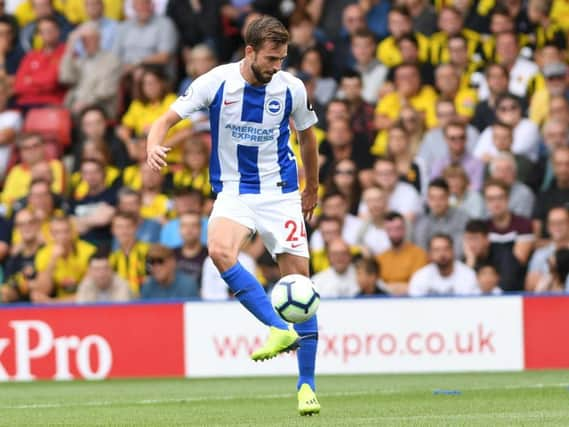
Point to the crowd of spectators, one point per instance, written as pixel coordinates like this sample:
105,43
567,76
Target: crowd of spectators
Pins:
443,146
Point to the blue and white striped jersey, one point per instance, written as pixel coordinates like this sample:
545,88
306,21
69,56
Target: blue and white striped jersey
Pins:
250,150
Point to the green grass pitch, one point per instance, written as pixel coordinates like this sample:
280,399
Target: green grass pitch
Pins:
485,399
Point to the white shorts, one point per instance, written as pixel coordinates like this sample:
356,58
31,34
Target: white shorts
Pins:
277,218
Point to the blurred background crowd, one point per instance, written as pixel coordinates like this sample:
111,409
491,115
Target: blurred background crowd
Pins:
443,146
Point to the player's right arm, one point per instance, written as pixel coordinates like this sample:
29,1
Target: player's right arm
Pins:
156,152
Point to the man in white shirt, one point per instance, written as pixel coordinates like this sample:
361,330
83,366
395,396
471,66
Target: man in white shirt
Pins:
443,275
339,280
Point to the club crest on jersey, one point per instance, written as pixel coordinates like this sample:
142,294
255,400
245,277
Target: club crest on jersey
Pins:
273,106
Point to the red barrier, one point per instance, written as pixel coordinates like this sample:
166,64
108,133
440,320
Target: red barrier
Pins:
546,333
92,342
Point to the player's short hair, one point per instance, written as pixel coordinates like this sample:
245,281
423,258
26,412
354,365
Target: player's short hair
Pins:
439,183
442,236
477,226
265,29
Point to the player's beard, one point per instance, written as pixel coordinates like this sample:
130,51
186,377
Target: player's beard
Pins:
259,75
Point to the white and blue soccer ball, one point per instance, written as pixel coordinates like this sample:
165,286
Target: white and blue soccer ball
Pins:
294,298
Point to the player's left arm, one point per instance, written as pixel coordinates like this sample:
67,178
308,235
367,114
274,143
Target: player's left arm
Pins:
304,119
309,154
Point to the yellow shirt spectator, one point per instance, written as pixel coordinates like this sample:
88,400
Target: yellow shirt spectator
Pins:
465,102
388,52
439,45
184,178
157,209
25,13
560,13
132,266
74,10
140,116
398,265
392,103
69,271
19,178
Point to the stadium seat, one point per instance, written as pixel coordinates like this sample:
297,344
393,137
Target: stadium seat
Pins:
53,123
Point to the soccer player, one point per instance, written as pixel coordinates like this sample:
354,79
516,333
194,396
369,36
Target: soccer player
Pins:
254,173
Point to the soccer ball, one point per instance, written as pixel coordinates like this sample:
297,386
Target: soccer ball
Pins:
295,298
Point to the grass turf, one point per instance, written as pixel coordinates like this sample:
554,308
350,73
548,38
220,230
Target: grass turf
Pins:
497,399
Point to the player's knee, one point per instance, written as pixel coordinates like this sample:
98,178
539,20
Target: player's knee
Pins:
222,255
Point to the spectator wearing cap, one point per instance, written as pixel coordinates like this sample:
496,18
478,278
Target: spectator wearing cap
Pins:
31,36
61,265
503,167
480,251
165,280
32,152
101,283
373,73
443,275
37,80
456,139
558,229
557,194
555,85
147,38
94,77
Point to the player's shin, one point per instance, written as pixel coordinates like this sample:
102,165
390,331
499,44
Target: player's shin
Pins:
251,294
306,353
